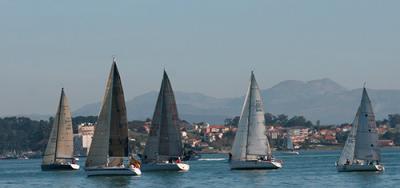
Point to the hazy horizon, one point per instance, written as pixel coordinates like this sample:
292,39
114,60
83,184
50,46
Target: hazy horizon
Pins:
208,47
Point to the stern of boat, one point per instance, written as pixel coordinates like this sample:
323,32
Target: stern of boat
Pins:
277,164
379,167
75,166
183,166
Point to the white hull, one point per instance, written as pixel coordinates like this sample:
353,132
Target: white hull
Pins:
358,167
165,167
75,166
113,171
249,165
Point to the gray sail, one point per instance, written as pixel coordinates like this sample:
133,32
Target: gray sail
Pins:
110,140
60,145
164,140
366,146
348,149
289,143
251,140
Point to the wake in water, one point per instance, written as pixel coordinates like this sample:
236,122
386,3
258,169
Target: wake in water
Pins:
212,159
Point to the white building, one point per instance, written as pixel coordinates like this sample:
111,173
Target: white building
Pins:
86,130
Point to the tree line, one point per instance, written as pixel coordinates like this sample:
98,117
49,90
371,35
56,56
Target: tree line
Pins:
281,119
21,134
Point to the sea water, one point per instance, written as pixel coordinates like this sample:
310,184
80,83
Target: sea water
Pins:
309,169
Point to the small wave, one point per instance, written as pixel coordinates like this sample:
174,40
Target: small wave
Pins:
212,159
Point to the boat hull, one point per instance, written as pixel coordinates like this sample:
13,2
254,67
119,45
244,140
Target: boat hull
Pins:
165,167
51,167
359,168
113,171
252,165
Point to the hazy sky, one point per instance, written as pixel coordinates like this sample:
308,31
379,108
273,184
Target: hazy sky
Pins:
207,46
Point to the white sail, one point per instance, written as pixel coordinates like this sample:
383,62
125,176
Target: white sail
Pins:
164,140
60,145
289,143
348,150
366,146
240,141
362,142
110,140
251,140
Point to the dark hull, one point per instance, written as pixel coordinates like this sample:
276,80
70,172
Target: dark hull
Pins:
51,167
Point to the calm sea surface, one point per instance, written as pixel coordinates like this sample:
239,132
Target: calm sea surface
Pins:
309,169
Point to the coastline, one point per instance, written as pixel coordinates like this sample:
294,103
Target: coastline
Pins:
320,148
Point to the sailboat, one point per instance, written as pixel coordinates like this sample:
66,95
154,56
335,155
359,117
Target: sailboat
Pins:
110,144
164,150
361,151
251,149
289,146
59,153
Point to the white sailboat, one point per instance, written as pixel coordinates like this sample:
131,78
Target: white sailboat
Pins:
164,150
251,149
290,147
110,144
59,153
361,151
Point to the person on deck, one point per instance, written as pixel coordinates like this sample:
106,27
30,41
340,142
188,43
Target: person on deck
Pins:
178,160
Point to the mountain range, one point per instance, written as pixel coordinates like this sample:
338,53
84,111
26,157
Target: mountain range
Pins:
322,99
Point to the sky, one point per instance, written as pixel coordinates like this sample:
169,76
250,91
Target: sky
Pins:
206,46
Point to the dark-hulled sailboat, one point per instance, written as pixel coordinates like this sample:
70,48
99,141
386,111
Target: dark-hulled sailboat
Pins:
251,149
59,153
110,144
164,148
361,151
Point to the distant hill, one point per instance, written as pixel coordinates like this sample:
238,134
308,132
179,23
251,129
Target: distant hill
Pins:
323,100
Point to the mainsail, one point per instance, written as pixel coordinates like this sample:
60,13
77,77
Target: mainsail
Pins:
362,142
251,140
110,140
366,147
164,140
60,145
